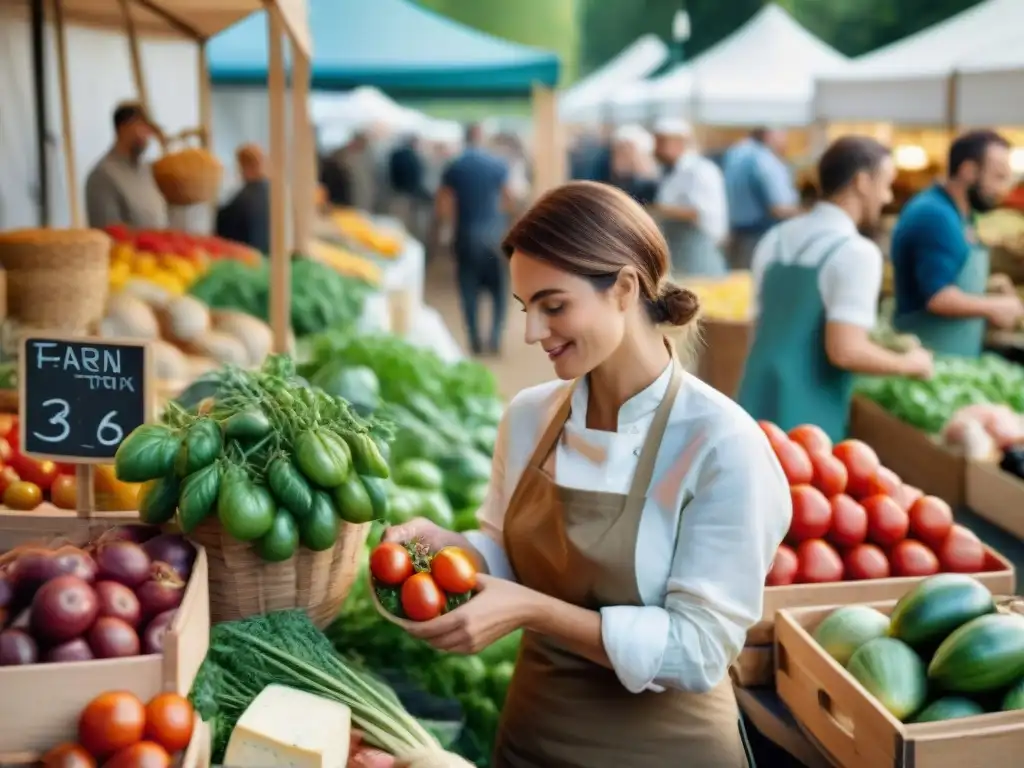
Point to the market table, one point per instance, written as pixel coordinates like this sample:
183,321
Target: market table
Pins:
775,736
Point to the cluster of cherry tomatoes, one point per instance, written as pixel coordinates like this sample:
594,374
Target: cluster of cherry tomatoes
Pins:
854,519
25,483
116,730
414,584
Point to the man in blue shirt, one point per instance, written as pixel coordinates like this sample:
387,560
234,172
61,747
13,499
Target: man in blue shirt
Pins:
474,195
940,270
760,190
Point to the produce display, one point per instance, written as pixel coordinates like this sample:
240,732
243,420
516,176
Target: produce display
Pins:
276,462
728,298
322,298
948,650
172,260
957,383
983,432
358,228
346,263
854,519
113,598
411,582
118,730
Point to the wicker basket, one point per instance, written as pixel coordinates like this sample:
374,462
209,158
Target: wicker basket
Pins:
57,279
242,585
188,176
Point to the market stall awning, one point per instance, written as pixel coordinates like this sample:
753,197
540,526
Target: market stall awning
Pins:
189,18
394,45
908,81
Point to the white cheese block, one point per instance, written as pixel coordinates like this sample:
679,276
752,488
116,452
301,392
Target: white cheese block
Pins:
287,728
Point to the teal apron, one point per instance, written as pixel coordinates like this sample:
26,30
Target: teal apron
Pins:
788,378
694,253
964,336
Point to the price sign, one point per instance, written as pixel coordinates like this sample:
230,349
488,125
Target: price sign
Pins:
81,397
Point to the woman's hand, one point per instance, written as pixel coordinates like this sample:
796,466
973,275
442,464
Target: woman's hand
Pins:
498,608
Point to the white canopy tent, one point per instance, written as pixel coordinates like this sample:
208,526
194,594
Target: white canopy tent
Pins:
954,72
585,101
762,74
361,108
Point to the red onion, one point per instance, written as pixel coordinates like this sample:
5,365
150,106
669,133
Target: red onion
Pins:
173,549
31,570
76,562
6,590
17,647
72,650
153,637
111,638
62,609
118,601
137,533
162,592
122,561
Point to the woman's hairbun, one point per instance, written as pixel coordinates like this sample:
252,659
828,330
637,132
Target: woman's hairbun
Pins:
675,305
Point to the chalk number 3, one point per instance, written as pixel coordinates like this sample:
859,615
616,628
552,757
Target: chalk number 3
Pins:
108,432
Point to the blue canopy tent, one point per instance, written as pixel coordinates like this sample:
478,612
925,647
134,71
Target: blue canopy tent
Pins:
395,45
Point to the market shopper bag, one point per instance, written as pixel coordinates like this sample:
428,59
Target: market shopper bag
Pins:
188,175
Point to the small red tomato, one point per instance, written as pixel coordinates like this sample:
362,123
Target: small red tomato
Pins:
169,721
811,438
772,432
962,551
796,464
454,571
41,473
390,563
829,474
862,466
422,599
866,561
144,754
912,558
68,756
887,522
907,495
819,563
812,515
931,520
849,522
886,482
64,492
784,568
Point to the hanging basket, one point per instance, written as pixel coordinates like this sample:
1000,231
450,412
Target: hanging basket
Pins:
57,279
189,175
243,585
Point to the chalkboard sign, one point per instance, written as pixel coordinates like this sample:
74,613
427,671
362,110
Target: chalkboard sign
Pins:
81,397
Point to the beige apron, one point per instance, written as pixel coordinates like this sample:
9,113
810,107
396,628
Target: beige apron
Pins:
564,711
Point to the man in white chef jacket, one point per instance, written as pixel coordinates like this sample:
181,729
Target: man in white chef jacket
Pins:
691,203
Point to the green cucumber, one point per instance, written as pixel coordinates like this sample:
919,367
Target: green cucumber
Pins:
937,606
891,672
1014,698
983,655
949,708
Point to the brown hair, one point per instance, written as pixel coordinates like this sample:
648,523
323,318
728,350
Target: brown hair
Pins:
594,230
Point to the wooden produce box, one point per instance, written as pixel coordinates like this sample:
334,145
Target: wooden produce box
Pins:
50,697
996,496
754,666
46,522
723,353
857,732
919,459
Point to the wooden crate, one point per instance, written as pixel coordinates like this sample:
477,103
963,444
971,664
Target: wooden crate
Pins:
996,496
46,522
917,458
50,697
723,353
853,727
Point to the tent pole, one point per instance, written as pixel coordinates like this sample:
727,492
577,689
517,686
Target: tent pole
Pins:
280,261
548,148
64,83
39,83
303,158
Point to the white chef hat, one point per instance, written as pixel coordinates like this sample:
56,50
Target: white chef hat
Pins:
673,126
636,135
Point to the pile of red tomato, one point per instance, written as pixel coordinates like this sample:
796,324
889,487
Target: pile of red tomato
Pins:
195,247
25,483
854,519
425,585
116,730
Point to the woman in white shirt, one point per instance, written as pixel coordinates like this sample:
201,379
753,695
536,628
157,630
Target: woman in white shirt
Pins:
633,512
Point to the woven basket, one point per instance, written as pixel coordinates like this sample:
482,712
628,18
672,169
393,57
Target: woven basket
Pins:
188,176
57,279
243,585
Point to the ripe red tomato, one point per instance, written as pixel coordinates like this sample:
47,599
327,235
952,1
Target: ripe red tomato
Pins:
390,563
849,522
887,522
912,558
962,551
169,721
907,495
796,464
145,754
68,756
819,563
422,599
811,438
829,474
784,568
886,482
772,432
812,514
111,722
866,561
41,473
931,520
64,492
453,570
862,465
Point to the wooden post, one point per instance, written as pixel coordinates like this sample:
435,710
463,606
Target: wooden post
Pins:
70,171
205,96
303,155
549,159
280,259
135,53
